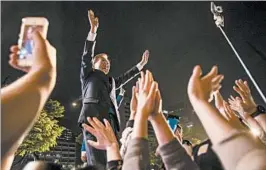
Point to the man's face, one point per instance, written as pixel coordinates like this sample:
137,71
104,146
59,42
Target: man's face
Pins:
102,63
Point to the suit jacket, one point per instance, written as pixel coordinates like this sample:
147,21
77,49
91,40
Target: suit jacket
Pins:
98,88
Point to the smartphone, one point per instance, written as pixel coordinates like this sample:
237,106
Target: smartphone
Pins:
25,42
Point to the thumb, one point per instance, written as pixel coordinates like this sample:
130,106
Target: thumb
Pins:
92,143
39,41
197,72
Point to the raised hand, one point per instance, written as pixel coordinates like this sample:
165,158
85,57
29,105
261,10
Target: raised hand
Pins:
104,134
231,117
145,58
201,88
133,102
147,94
44,55
94,21
246,103
219,101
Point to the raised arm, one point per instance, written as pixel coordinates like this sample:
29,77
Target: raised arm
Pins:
23,100
134,71
88,52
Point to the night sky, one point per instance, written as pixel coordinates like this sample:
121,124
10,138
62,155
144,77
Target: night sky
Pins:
179,35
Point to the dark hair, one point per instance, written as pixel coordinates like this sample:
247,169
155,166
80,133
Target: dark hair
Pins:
187,142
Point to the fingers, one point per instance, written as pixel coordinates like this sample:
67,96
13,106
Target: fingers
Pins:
226,112
89,129
152,91
14,49
91,13
98,123
39,42
232,97
197,72
240,85
92,123
216,87
146,56
159,100
239,92
213,72
13,62
246,86
141,81
148,80
217,79
107,124
133,91
92,143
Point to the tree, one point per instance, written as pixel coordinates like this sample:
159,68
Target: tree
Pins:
79,139
153,144
45,131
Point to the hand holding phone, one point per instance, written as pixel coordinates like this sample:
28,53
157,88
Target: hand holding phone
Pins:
25,43
44,56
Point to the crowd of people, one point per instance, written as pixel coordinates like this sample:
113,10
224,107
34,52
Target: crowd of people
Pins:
229,124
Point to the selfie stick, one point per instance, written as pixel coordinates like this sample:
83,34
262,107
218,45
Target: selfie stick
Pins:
219,21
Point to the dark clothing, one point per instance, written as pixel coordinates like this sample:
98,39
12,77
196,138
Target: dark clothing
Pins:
98,89
99,96
208,160
172,153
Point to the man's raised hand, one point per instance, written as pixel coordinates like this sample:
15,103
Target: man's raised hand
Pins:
94,21
145,58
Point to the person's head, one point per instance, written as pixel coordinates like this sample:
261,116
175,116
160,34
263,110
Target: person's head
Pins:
101,62
179,131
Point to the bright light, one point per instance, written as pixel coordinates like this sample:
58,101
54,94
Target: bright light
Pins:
190,126
255,132
74,104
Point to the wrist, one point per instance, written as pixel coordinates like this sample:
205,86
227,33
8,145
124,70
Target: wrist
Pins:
252,110
112,147
113,152
141,114
132,115
156,118
93,30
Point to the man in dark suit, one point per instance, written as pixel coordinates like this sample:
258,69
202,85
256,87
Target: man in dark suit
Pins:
99,90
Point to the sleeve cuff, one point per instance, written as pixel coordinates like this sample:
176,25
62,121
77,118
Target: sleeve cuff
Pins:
91,36
130,123
139,66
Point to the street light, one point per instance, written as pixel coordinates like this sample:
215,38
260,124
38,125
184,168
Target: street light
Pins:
74,104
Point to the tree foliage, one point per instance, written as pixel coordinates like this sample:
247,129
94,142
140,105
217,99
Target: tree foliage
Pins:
45,131
153,144
79,139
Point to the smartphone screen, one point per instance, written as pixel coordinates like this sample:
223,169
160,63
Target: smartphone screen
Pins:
27,41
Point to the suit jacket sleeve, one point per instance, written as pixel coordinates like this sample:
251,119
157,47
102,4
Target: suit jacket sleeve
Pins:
126,77
86,58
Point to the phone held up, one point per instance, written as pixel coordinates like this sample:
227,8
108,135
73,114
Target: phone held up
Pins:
25,42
